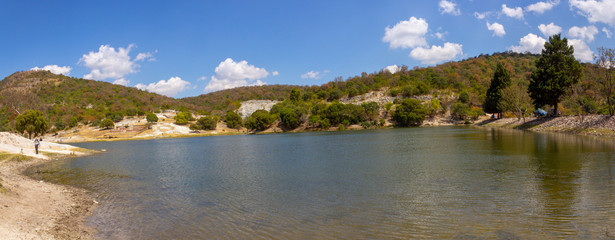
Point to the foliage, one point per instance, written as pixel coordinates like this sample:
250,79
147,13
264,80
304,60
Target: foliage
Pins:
151,117
233,120
556,71
409,113
605,63
115,116
183,118
107,124
434,106
207,123
500,81
338,112
295,95
516,99
464,97
460,111
4,120
371,110
260,120
31,122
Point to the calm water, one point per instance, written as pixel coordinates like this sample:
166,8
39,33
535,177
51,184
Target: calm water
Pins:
399,183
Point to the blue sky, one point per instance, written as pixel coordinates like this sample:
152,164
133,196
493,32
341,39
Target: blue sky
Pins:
188,48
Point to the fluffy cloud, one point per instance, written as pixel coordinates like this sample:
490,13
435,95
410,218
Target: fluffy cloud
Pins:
121,81
392,68
512,12
168,88
275,73
231,74
497,29
581,50
596,10
55,69
607,32
449,7
406,34
549,30
529,43
314,75
437,54
481,16
541,7
586,33
110,63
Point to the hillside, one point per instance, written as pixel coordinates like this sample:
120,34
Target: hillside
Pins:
67,101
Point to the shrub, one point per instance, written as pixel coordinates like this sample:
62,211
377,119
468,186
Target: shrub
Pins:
259,120
233,120
409,113
151,117
207,123
107,124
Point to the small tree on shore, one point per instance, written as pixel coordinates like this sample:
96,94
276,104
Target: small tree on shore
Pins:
151,117
409,113
605,61
556,71
500,81
233,120
107,124
31,122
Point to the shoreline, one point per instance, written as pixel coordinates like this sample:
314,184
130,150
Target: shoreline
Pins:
601,126
33,209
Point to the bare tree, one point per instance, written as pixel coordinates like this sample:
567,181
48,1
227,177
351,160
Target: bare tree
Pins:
605,60
516,99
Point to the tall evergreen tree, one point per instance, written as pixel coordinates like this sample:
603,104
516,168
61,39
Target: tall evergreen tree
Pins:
556,71
493,100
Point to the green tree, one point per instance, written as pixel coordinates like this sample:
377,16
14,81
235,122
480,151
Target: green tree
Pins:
371,110
207,123
464,97
107,124
31,122
233,120
500,81
516,99
151,117
605,61
556,71
183,118
409,113
295,95
259,120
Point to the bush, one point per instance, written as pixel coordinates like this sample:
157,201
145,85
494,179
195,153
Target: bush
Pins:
151,117
259,120
409,113
233,120
183,118
338,112
107,124
460,111
207,123
115,116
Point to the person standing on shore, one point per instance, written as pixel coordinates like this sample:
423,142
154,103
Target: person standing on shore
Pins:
36,143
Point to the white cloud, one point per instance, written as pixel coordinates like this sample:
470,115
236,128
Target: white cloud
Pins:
607,32
110,63
406,34
449,7
581,50
203,78
512,12
596,11
392,68
275,73
549,30
440,35
314,75
437,54
529,43
169,88
145,56
541,7
231,74
481,16
586,33
497,29
121,81
55,69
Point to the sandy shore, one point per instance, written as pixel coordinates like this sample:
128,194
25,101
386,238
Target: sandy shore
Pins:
31,209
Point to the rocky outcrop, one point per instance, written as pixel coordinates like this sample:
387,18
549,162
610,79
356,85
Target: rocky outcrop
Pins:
249,107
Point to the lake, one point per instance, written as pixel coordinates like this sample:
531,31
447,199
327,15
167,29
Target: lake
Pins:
432,182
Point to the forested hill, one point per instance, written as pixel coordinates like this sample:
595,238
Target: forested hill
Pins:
472,75
72,100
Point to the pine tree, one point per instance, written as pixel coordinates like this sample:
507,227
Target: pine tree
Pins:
556,71
493,99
